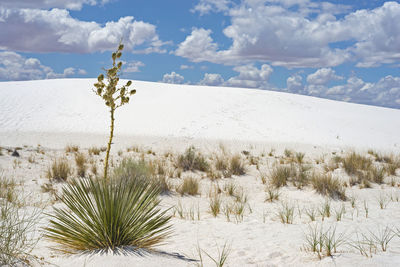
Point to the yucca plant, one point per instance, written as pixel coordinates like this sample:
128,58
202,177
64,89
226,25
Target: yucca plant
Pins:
108,215
113,97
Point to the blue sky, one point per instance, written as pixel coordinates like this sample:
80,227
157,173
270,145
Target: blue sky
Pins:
344,50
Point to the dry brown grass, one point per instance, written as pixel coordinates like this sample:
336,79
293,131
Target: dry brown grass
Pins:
189,186
326,185
59,170
81,166
71,148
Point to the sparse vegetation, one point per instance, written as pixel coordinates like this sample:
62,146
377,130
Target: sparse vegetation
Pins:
286,213
81,166
17,235
236,165
272,194
94,151
59,170
279,175
215,204
189,186
326,185
192,160
71,148
324,243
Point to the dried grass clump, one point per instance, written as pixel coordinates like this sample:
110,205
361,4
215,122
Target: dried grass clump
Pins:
71,148
353,163
189,186
80,161
131,169
94,151
326,185
59,170
17,239
192,160
236,165
280,175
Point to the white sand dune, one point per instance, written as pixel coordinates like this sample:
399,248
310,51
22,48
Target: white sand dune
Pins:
54,113
35,110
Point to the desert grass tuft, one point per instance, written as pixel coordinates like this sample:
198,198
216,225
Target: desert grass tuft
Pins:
354,162
17,235
94,151
279,175
326,185
189,186
236,165
59,170
215,205
71,148
81,164
192,160
272,194
286,213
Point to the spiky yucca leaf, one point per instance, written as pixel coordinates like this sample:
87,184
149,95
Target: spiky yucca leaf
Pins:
108,215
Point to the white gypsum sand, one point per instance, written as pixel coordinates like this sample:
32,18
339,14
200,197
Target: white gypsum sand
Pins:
162,118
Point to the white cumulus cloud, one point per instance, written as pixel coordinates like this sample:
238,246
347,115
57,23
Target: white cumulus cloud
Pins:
133,66
173,77
68,4
35,30
212,79
250,76
15,67
323,76
301,34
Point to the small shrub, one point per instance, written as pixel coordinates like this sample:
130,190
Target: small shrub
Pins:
192,160
222,165
299,157
354,162
391,168
288,153
326,185
280,175
189,186
94,151
377,174
93,169
80,161
301,176
130,169
236,165
59,170
71,148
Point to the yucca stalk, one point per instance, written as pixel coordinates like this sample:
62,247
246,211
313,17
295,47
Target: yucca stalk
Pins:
106,215
113,97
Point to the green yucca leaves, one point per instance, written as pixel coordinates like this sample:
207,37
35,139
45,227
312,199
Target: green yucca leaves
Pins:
108,215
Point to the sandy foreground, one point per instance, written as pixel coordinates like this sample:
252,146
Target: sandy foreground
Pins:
43,117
